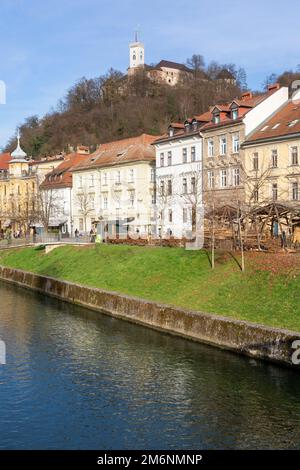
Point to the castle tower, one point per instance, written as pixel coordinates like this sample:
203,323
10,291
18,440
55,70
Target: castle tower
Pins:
136,54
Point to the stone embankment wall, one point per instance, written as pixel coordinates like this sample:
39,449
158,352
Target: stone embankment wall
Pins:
243,337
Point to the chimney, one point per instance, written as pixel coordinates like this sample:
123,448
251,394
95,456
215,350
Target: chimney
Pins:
247,96
273,87
82,149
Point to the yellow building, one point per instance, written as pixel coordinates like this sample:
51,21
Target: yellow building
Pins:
19,182
272,158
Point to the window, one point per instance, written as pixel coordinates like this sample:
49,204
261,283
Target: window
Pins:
80,181
162,159
184,186
211,179
92,203
162,187
216,118
274,158
236,177
295,191
80,224
170,215
169,158
131,176
105,178
276,125
153,198
235,143
223,145
118,177
294,155
293,123
255,161
193,154
184,215
223,178
210,147
169,187
264,128
105,202
91,180
193,184
274,191
184,155
131,198
235,113
152,175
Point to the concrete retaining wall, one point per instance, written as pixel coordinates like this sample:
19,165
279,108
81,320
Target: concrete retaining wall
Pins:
243,337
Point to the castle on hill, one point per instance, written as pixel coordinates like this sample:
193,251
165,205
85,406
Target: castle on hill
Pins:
165,71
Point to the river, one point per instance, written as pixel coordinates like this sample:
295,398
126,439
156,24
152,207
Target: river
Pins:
76,379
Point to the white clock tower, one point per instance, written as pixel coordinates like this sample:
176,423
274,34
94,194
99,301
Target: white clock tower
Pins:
136,53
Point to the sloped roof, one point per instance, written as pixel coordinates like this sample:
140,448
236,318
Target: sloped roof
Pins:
4,159
61,176
133,149
173,65
284,123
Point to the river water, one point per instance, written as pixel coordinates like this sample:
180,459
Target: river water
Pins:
75,379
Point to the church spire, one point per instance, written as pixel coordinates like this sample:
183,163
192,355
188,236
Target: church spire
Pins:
18,153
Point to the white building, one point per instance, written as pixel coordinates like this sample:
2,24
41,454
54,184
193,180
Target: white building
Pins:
179,177
116,186
56,194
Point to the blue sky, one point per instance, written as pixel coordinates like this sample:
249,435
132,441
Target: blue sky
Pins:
47,45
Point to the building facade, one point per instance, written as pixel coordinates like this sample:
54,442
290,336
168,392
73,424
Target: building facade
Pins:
224,167
116,186
272,158
56,194
179,177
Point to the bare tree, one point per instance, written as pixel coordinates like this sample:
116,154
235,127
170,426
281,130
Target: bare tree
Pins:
84,202
47,206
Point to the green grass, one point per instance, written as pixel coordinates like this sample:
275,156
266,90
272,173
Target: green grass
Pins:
173,276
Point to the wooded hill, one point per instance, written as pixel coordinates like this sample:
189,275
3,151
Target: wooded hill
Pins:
113,106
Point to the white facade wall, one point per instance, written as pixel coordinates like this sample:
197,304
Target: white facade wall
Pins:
61,208
182,201
113,193
264,110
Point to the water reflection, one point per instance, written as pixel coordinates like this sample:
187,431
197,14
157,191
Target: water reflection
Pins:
77,379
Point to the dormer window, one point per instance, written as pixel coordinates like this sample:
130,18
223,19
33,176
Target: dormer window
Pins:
216,118
235,113
171,131
195,125
187,126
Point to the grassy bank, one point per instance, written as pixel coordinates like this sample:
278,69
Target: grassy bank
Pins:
268,292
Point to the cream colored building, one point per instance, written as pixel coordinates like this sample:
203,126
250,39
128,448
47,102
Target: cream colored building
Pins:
116,184
272,158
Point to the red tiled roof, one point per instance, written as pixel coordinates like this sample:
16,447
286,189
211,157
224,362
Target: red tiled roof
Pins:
132,149
4,159
203,117
47,159
61,176
245,104
283,123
